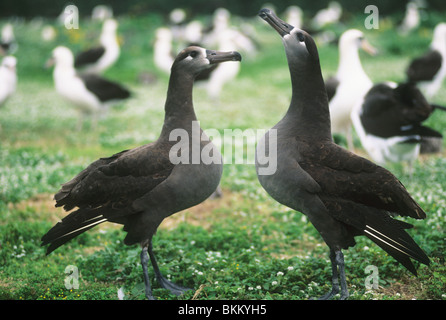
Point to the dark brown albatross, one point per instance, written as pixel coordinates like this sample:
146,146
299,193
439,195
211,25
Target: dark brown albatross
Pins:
342,194
140,187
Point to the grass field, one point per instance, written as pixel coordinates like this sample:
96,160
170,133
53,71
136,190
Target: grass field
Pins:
241,246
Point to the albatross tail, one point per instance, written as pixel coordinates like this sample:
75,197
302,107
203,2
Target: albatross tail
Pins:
390,235
71,226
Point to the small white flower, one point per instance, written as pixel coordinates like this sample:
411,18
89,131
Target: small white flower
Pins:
274,283
258,287
290,268
192,242
121,293
250,288
280,273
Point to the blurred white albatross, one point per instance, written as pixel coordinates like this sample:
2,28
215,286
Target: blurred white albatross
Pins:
89,93
8,43
163,50
98,59
327,16
349,84
429,70
8,78
411,19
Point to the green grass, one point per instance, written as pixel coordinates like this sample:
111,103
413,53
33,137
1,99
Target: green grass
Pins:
242,246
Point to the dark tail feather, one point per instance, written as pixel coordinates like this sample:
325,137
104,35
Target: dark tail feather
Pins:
71,226
389,234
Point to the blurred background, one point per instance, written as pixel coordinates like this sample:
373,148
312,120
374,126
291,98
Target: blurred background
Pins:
51,8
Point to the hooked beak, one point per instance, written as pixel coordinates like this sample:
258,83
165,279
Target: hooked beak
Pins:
367,47
222,56
278,24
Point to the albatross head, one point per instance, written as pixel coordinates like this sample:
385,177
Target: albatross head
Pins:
298,43
61,57
110,26
9,62
196,59
353,39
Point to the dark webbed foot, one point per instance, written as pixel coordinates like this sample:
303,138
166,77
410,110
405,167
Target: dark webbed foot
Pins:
166,284
334,291
172,287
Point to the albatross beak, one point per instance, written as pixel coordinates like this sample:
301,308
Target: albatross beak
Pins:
367,47
222,56
278,24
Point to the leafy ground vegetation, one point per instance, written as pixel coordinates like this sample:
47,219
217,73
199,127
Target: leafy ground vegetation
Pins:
243,245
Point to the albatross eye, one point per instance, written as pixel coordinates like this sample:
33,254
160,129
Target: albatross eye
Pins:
193,54
300,36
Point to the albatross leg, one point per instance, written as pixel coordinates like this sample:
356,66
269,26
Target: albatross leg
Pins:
338,275
334,278
343,280
166,284
144,261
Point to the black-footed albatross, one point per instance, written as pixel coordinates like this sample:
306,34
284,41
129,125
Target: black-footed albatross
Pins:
140,187
342,194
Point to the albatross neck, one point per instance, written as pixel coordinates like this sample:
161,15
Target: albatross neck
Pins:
349,62
308,110
179,109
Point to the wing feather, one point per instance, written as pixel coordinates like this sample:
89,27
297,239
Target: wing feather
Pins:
425,67
88,56
344,175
